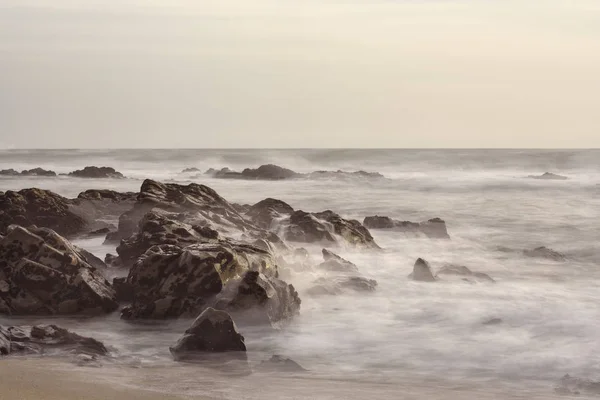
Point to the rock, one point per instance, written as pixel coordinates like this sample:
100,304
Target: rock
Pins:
264,172
190,170
544,252
102,204
259,299
569,385
46,339
464,272
434,228
339,285
333,262
422,272
97,172
493,321
39,207
46,275
549,176
99,232
113,261
280,364
306,228
170,281
123,290
212,332
38,172
265,212
9,172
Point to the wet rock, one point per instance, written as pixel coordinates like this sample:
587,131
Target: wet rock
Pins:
464,272
39,207
545,252
265,212
171,281
212,332
37,172
97,172
259,299
123,290
45,274
422,272
280,364
102,204
549,176
306,228
340,285
113,261
45,339
333,262
434,228
99,232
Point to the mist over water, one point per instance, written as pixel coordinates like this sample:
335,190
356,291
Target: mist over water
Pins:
406,331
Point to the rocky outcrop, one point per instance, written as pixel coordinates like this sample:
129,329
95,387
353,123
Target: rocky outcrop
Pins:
266,212
422,272
264,172
212,332
43,273
259,299
28,172
545,252
97,172
463,273
46,339
434,228
9,172
41,208
170,281
549,176
103,204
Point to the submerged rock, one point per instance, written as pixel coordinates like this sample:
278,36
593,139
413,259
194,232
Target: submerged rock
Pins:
97,172
434,228
280,364
339,285
333,262
549,176
422,272
44,339
212,332
465,273
44,274
545,252
493,321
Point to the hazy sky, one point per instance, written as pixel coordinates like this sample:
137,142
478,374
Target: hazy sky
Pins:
299,73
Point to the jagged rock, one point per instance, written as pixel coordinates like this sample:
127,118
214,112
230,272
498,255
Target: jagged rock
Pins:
549,176
42,208
570,385
9,172
306,228
544,252
46,339
37,172
45,274
98,204
97,172
171,281
190,170
465,273
434,228
265,212
259,299
280,364
333,262
422,272
339,285
212,332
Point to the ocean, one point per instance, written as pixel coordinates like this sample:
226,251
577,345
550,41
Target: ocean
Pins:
407,338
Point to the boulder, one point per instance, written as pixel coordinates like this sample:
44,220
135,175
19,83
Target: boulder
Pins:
434,228
549,176
259,299
170,281
464,273
306,228
97,172
280,364
545,252
340,285
37,172
266,212
335,263
41,208
41,273
46,339
422,272
212,332
98,204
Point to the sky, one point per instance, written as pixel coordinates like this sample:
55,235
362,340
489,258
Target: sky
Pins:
299,73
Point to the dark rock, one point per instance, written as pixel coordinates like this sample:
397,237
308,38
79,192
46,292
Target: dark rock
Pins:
38,172
99,232
113,261
123,290
102,204
549,176
434,228
46,339
280,364
171,281
265,212
306,228
422,272
39,207
339,285
464,272
264,172
190,170
45,274
544,252
97,172
212,332
9,172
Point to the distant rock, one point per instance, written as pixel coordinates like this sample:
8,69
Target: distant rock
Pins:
544,252
549,176
45,339
190,170
43,274
275,172
9,172
493,321
465,273
422,272
212,332
434,228
38,172
278,364
569,385
97,172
